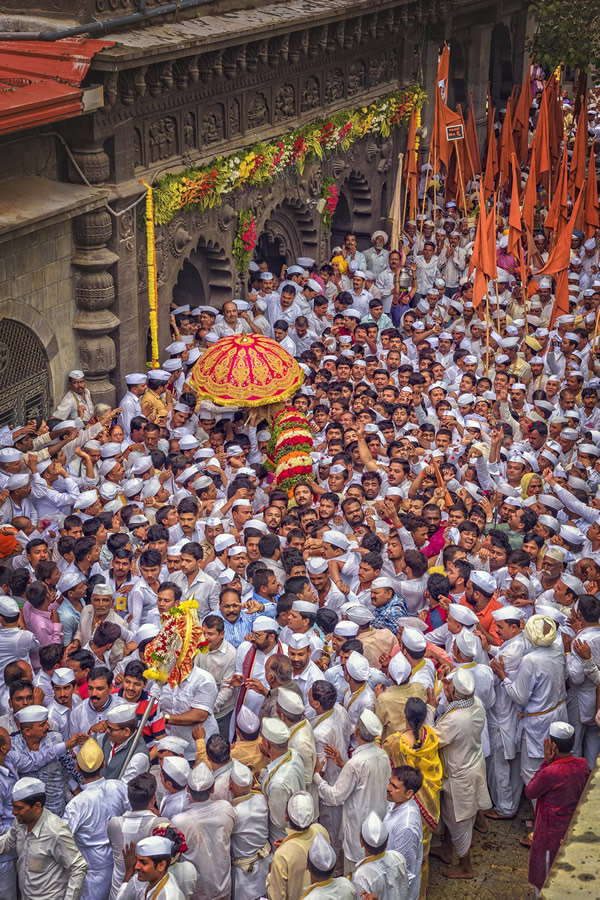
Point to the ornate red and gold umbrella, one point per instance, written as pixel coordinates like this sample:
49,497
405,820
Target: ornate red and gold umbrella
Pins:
246,370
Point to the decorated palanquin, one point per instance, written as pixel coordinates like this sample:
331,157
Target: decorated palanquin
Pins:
246,370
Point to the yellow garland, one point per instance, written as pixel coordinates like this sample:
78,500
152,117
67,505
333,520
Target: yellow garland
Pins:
418,134
152,277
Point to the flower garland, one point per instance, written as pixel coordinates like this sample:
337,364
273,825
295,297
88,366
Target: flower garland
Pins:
245,239
288,450
171,653
262,163
329,193
152,278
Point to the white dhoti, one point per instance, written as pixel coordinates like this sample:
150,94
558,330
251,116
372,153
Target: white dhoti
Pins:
248,880
460,832
330,818
504,780
529,764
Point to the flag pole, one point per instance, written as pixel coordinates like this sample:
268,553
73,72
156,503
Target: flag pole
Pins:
462,183
487,327
425,194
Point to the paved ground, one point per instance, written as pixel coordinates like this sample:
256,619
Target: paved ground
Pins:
499,861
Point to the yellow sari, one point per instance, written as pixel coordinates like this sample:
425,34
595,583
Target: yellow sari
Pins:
426,758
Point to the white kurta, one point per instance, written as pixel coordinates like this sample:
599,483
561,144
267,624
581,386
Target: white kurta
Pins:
335,728
198,691
207,827
539,687
129,828
331,889
302,740
360,788
87,816
459,734
278,781
503,719
136,890
405,827
383,875
173,804
250,848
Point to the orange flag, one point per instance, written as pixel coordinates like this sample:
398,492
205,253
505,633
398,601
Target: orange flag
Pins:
591,198
557,214
558,263
521,119
446,118
514,218
506,147
577,171
411,166
443,70
530,196
472,141
483,260
541,141
441,90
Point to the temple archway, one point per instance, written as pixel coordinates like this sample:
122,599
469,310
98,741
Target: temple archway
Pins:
288,232
205,277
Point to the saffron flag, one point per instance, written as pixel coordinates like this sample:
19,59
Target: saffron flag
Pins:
591,198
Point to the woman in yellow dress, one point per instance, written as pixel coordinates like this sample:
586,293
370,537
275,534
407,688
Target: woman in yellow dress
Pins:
418,746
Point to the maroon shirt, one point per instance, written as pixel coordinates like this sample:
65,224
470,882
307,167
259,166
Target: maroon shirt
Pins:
557,787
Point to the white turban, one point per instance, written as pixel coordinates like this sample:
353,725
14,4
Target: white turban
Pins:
540,631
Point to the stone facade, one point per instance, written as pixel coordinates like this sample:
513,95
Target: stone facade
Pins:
183,92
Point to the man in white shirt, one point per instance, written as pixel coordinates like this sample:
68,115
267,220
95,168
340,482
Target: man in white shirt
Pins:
219,661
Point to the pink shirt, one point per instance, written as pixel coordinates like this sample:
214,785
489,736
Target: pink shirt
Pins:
47,632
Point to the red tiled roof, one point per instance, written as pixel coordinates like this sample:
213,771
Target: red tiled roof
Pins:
40,81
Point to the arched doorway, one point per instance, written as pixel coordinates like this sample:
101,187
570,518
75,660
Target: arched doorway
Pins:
205,277
24,379
354,212
289,232
270,249
501,67
341,222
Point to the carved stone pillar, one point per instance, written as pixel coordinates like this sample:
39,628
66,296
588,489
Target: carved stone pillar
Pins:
94,295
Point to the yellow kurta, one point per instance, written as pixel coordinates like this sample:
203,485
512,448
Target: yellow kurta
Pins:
389,706
289,876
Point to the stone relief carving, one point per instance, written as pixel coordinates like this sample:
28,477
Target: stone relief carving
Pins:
357,78
163,139
334,86
213,126
179,237
311,95
258,110
189,131
284,103
234,117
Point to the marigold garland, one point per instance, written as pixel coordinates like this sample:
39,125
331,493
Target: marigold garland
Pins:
262,163
152,277
288,450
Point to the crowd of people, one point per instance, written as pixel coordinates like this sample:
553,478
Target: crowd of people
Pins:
402,648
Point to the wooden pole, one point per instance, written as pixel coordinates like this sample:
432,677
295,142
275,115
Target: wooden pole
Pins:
425,193
462,182
487,327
